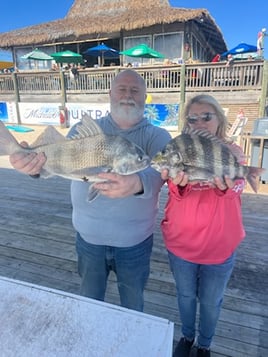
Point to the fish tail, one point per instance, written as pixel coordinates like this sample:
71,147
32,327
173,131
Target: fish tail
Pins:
253,173
8,144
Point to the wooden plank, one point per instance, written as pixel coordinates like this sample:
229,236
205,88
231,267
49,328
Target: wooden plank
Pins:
37,245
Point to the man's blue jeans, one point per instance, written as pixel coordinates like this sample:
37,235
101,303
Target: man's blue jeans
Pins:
131,265
206,283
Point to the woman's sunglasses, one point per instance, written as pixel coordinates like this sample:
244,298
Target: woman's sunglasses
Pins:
205,117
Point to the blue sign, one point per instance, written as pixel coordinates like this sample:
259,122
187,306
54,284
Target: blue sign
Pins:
164,115
3,111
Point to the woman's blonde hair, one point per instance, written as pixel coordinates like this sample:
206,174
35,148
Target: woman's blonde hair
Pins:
208,99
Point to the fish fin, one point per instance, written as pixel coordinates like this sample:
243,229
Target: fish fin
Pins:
49,136
201,132
87,127
89,174
205,134
253,173
235,149
8,143
93,193
45,174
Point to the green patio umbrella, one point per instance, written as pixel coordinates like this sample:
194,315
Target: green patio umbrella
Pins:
67,57
142,51
37,55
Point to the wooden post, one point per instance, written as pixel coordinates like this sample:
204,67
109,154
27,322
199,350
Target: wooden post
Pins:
63,112
182,96
264,90
17,96
63,89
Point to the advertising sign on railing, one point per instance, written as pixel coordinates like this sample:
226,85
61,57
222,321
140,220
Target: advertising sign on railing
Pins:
164,115
8,112
49,113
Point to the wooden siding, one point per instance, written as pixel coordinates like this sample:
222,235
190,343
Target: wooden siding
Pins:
37,246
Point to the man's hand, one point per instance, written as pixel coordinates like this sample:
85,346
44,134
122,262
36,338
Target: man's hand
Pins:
28,163
119,185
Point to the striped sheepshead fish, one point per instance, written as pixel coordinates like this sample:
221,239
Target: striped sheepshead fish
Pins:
203,157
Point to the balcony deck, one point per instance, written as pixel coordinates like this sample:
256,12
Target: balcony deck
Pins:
37,246
243,75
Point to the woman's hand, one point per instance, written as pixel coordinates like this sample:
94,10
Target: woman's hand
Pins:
223,184
181,179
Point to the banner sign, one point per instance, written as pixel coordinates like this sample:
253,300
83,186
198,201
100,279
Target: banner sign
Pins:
164,115
49,113
8,112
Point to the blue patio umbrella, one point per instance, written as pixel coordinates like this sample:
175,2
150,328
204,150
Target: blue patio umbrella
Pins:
102,51
240,49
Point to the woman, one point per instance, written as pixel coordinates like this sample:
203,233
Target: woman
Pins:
202,228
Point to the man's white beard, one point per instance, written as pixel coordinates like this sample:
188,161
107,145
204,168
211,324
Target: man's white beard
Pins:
130,113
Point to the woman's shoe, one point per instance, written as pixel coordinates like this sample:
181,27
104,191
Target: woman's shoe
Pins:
202,352
183,348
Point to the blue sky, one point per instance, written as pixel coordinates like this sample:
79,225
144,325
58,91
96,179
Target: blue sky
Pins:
238,22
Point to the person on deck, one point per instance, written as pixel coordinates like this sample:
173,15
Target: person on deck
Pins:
202,228
115,231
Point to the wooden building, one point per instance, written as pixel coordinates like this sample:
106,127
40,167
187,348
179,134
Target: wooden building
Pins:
177,33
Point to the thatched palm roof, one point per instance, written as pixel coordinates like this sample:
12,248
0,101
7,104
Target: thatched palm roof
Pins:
98,18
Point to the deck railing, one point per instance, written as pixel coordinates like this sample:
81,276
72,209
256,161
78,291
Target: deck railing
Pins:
243,75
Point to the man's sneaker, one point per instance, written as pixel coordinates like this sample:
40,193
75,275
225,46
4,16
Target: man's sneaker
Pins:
183,348
202,352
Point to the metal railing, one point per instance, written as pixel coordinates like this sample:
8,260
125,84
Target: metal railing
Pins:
243,75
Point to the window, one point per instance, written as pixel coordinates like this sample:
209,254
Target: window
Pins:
170,45
134,41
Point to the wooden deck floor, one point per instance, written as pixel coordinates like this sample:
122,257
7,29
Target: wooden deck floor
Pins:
37,246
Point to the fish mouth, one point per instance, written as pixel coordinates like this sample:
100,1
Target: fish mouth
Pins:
131,168
156,161
157,166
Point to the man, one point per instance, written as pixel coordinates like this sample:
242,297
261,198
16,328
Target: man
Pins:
115,231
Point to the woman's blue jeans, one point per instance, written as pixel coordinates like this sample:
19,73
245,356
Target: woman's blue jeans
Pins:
205,283
131,265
